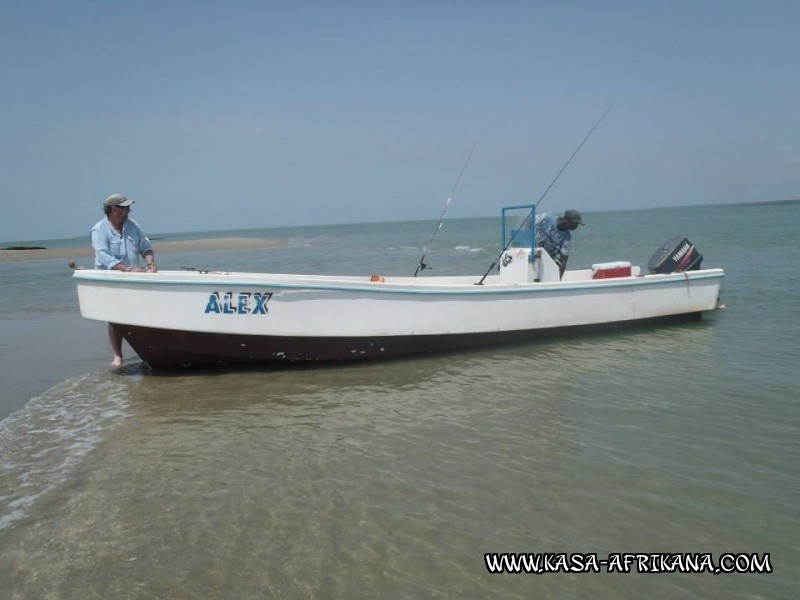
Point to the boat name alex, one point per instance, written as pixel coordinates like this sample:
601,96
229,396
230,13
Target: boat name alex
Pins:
243,303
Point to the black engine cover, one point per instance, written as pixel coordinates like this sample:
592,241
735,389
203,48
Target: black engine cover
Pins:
675,256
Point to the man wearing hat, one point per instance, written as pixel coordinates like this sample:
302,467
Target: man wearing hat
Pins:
118,244
553,234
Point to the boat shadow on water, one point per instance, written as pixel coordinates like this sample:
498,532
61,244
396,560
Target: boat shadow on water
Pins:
514,368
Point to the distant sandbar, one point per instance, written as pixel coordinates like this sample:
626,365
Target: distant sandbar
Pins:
235,243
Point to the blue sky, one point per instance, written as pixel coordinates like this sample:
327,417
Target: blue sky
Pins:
221,115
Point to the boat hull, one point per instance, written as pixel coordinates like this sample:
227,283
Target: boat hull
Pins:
167,349
180,319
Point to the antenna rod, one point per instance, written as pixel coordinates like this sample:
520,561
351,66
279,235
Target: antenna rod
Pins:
531,215
421,266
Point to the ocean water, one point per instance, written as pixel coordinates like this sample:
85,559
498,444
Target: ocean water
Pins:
393,479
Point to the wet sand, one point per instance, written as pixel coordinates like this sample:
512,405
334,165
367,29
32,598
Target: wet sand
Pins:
233,243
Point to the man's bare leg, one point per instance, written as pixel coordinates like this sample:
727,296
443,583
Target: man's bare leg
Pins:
116,346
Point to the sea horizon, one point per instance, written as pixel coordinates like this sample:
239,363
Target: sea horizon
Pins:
213,233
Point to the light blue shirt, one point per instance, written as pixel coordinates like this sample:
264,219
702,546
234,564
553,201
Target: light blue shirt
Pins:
551,238
111,248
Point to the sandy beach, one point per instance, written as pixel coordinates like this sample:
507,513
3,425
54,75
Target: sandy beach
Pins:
232,243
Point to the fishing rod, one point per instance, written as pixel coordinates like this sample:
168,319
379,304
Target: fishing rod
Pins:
421,266
531,215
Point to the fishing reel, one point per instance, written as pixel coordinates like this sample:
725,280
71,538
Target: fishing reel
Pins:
421,267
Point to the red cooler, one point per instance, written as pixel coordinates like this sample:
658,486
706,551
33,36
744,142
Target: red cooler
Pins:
611,269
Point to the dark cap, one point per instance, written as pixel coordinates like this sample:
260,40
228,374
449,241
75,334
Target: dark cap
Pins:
573,216
117,200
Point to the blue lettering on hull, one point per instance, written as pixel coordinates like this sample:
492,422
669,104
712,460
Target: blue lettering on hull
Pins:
243,303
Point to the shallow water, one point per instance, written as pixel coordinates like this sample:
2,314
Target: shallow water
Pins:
393,479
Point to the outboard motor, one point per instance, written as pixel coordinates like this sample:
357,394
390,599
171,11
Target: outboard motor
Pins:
675,256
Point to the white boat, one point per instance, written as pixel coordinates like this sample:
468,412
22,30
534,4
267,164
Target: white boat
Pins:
176,319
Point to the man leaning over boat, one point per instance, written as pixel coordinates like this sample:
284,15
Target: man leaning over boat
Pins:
553,233
118,244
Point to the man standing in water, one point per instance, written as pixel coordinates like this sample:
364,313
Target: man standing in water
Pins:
118,244
553,234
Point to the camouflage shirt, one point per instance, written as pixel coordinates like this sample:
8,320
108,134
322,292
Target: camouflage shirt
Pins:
551,238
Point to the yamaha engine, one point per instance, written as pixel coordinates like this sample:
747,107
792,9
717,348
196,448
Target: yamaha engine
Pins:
675,256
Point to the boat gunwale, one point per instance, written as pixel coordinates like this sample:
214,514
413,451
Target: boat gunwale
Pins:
422,287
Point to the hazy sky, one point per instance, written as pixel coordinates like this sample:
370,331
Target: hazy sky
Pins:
219,115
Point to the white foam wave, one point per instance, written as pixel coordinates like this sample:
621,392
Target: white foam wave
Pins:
43,442
468,248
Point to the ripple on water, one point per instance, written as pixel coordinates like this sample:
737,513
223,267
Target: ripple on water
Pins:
42,443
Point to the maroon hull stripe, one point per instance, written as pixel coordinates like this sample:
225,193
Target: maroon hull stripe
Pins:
168,349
